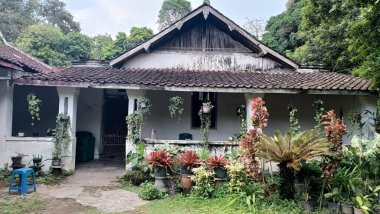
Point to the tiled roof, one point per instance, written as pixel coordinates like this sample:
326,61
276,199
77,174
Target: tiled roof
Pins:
210,79
21,59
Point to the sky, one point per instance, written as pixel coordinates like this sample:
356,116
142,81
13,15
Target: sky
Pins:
112,16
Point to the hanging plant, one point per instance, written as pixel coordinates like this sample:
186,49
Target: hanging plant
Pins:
319,109
34,106
136,119
294,124
205,126
61,136
176,106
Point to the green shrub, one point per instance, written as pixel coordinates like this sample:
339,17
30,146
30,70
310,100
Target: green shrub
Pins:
135,177
150,192
204,182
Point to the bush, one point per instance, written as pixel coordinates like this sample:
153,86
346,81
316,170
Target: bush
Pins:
135,177
150,192
204,185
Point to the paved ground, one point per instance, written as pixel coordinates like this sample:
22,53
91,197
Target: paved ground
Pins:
92,187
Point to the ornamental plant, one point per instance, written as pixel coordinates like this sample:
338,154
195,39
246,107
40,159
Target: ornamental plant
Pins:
334,130
34,107
216,161
248,144
61,137
136,119
204,185
236,177
160,158
176,106
189,159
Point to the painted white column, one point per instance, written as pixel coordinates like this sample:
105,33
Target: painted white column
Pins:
248,100
68,99
133,96
6,111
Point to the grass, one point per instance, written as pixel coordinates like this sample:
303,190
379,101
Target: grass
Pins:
19,205
128,186
185,205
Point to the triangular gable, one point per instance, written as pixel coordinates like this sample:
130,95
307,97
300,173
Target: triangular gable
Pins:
206,12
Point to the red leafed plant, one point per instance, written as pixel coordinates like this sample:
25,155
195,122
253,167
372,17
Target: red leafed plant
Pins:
216,161
334,129
248,144
160,159
189,159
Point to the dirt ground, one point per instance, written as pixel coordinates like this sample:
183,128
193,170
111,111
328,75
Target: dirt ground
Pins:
92,189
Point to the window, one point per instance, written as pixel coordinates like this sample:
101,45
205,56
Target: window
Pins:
197,100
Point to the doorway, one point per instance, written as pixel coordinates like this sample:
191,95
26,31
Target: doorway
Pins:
115,111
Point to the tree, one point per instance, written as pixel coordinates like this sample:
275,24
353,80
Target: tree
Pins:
255,26
138,36
54,13
17,15
117,47
171,11
100,43
43,41
77,46
281,30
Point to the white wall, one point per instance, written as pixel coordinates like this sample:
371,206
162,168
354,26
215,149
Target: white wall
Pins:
167,128
89,117
6,96
228,123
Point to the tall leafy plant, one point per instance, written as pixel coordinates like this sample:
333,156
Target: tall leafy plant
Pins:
289,151
176,106
248,144
61,136
136,119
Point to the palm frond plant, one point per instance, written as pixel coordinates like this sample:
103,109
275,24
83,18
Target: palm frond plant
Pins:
289,151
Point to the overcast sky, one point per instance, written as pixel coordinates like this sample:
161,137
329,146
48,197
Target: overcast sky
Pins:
111,16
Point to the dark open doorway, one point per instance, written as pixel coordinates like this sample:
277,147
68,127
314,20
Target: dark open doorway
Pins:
115,111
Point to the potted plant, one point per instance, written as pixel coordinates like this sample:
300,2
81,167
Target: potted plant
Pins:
37,159
160,161
17,160
218,163
347,206
188,161
334,197
363,204
207,107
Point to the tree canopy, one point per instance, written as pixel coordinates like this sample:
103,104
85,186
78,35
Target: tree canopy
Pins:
17,15
341,35
171,11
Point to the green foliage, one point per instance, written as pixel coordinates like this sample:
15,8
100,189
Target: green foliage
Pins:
136,119
137,36
171,11
205,126
61,135
17,15
204,182
76,46
176,106
34,107
294,125
319,109
137,158
20,205
149,192
43,41
100,43
236,177
135,177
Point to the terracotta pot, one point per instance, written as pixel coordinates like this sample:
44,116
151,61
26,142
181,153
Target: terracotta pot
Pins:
347,209
186,181
358,211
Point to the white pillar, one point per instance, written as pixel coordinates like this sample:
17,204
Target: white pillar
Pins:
248,99
68,98
6,111
133,96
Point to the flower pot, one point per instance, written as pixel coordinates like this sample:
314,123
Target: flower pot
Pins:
186,181
347,209
159,183
56,162
186,170
220,172
358,210
307,206
333,207
160,172
16,160
206,108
